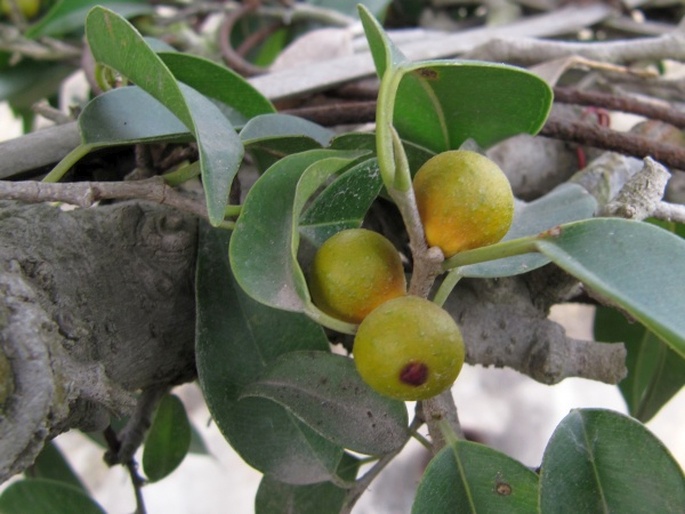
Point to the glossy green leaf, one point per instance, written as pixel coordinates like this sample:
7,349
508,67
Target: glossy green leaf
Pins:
221,84
236,339
69,15
602,461
326,392
40,496
168,439
263,250
274,497
343,204
632,265
115,43
470,477
655,372
566,203
51,465
441,104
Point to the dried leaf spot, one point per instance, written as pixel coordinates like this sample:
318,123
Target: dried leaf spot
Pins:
427,73
503,489
414,374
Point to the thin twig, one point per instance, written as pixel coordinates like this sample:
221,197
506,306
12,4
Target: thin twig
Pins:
233,58
338,113
114,445
607,139
569,95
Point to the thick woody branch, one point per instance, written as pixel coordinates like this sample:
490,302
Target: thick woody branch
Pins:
96,304
503,326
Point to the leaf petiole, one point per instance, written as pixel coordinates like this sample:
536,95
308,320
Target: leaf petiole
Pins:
493,252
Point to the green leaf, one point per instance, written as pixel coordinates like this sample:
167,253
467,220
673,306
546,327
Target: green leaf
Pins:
115,43
416,155
263,250
566,203
384,52
40,496
343,204
326,392
271,137
237,338
221,84
655,372
602,461
441,104
277,126
470,477
168,440
632,265
128,115
274,497
51,465
68,15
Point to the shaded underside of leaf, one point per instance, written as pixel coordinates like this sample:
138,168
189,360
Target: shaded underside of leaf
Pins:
343,204
326,392
566,203
237,338
129,115
655,372
631,264
274,497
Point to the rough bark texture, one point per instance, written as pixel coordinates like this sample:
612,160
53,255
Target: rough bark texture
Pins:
96,304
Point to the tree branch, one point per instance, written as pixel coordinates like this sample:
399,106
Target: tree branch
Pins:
75,355
85,194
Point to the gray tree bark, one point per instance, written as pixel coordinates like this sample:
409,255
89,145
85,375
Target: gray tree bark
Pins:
96,305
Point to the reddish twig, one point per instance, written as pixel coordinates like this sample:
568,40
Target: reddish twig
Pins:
612,140
234,59
557,128
338,113
619,103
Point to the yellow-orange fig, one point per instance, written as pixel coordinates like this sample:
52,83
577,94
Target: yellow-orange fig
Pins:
409,348
464,200
353,272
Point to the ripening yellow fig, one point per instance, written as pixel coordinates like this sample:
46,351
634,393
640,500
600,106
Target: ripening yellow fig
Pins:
29,8
354,272
409,348
465,201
